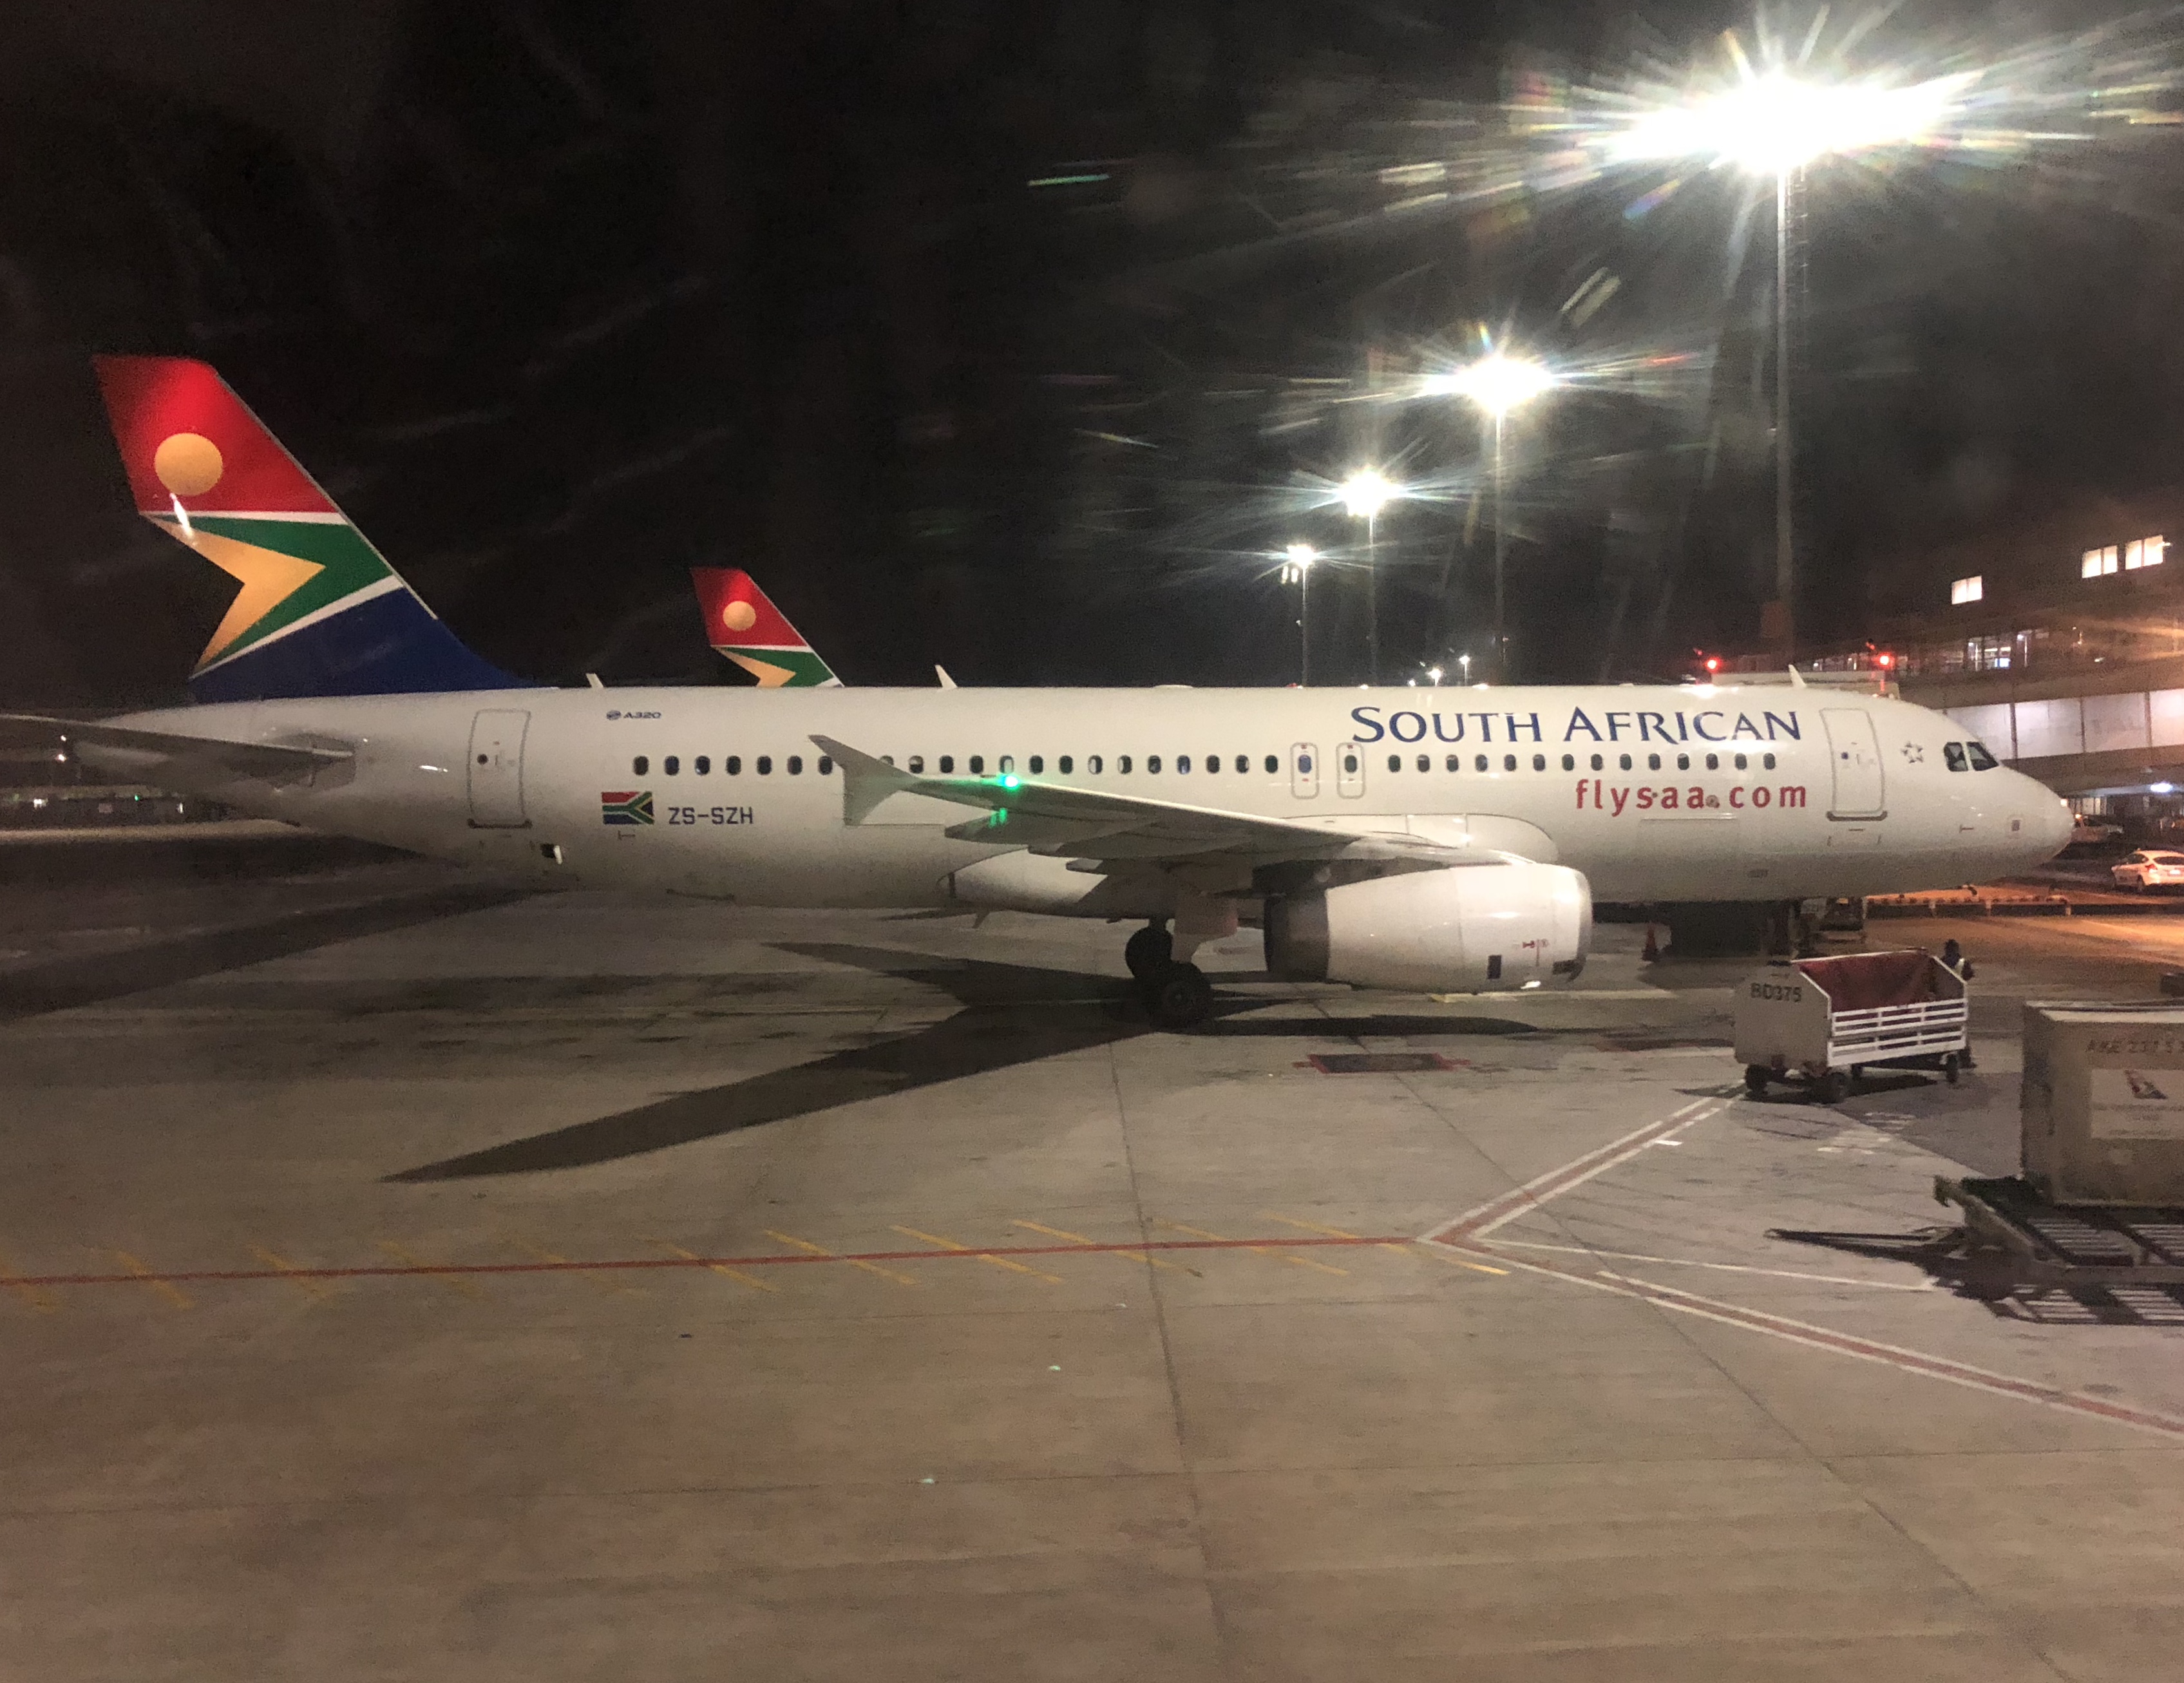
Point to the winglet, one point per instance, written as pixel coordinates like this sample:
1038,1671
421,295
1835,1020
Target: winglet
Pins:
1796,677
866,781
941,672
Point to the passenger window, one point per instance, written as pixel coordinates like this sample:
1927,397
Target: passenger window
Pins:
1683,762
1212,763
1768,760
1743,762
1478,762
1539,762
640,765
701,765
1183,762
1152,764
947,764
1008,762
1350,764
1622,761
1570,762
1953,755
1982,759
826,765
917,762
1508,762
671,764
795,764
1092,766
1395,762
765,765
1038,765
733,764
1455,762
1064,765
1599,764
1273,765
978,764
1714,762
1123,764
1244,763
1652,762
1425,762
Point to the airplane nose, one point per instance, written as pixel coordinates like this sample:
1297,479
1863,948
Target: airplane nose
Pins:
2050,820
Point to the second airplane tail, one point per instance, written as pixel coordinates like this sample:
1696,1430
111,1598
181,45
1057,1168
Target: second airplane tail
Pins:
742,624
320,612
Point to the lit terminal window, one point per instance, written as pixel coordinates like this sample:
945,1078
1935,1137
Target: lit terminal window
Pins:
1963,590
2144,552
2096,562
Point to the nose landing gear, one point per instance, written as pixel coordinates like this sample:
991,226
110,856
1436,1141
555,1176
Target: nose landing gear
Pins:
1176,995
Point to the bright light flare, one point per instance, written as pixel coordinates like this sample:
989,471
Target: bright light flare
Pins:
1366,493
1775,123
1496,383
1300,555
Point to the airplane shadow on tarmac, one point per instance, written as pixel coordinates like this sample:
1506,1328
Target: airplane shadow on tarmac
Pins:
1011,1014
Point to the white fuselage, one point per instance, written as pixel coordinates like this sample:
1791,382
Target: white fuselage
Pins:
1656,794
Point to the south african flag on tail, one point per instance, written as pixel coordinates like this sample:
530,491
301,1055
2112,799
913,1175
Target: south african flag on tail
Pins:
741,624
319,612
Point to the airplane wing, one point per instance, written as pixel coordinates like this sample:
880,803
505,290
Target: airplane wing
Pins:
1065,822
265,761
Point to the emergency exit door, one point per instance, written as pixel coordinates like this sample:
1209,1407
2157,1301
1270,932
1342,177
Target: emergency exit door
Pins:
1350,769
1855,753
496,768
1304,770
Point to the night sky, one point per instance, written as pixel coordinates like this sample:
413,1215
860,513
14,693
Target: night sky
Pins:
1019,338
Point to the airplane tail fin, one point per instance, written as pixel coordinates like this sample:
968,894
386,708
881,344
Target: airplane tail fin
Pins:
742,624
320,612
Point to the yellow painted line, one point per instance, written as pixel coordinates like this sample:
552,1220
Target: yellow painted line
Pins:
605,1283
163,1287
1407,1250
318,1291
806,1246
736,1275
1257,1250
31,1294
455,1282
982,1255
1080,1239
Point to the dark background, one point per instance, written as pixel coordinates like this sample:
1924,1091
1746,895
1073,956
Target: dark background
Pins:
558,298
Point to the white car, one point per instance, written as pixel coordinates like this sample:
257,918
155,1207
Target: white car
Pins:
2150,868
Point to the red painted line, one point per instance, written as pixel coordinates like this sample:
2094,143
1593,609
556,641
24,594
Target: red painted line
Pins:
391,1271
1846,1344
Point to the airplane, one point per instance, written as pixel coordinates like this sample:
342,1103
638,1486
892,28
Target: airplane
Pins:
743,624
1446,840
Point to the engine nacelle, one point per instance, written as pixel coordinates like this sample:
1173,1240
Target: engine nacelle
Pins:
1464,929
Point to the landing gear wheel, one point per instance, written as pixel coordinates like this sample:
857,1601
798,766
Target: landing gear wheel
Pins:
1148,950
1949,1069
1833,1088
1178,997
1755,1079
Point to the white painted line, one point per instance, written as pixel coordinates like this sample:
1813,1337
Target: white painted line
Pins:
1725,1268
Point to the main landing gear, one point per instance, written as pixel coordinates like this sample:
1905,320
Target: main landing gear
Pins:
1176,995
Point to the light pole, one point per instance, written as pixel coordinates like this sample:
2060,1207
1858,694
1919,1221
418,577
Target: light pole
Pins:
1364,494
1301,558
1498,383
1464,661
1774,124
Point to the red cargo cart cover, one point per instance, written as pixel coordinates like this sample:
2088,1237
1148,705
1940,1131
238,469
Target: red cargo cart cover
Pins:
1863,981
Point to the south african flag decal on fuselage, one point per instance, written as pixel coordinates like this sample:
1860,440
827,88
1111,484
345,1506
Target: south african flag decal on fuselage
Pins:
625,806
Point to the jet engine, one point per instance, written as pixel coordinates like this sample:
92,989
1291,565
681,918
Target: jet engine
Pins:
1463,929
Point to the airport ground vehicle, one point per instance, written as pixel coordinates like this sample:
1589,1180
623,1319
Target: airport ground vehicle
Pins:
1823,1022
2149,867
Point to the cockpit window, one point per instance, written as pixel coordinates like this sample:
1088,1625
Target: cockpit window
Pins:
1982,759
1953,753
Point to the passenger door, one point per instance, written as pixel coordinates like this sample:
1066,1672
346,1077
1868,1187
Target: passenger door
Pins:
1855,753
496,769
1304,770
1350,770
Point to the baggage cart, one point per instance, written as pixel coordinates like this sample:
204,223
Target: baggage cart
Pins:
1820,1022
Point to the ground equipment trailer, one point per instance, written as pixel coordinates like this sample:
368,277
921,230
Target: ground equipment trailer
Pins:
1822,1022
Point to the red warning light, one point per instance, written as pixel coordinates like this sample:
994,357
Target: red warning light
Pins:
1713,663
1886,659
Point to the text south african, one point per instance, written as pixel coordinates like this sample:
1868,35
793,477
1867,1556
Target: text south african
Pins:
1710,724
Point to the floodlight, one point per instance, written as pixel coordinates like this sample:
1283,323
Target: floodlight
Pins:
1366,493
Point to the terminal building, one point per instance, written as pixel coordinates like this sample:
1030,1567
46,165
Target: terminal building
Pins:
2058,643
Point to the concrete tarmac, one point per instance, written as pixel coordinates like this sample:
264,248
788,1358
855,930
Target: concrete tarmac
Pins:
581,1287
